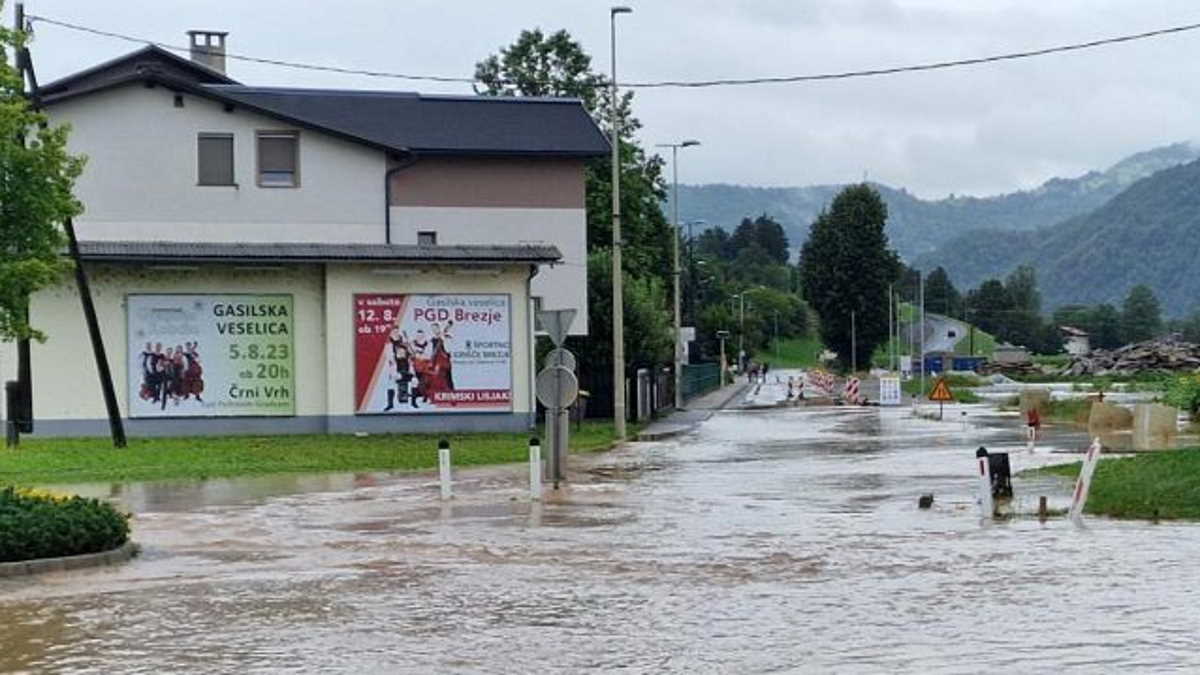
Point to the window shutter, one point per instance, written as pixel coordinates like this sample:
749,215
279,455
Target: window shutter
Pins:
277,154
215,159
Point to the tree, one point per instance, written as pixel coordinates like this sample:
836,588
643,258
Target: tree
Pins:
989,306
556,65
941,295
846,267
36,177
765,233
1105,327
1141,317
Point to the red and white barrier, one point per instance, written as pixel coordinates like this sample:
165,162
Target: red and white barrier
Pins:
1085,480
851,392
820,383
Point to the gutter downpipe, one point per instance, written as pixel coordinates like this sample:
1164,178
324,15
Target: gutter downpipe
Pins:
387,192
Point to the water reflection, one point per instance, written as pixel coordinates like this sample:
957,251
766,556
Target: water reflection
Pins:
783,541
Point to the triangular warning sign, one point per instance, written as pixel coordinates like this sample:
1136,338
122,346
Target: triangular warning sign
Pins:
940,391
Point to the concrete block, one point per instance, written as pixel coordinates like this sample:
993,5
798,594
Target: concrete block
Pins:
1154,426
1106,418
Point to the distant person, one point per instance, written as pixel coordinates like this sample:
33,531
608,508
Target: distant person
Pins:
1033,422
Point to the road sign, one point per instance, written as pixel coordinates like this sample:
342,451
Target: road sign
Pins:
561,357
941,392
557,387
556,323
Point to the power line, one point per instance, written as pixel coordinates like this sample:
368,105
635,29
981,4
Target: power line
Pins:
664,84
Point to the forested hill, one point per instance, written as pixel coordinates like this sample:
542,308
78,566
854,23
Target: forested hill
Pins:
1150,234
917,226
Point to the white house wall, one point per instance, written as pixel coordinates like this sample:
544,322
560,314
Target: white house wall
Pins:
140,179
560,286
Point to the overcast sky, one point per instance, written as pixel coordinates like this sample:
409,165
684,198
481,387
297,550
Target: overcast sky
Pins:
975,130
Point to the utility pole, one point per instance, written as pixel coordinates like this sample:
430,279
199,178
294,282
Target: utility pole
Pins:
115,423
742,331
675,267
891,337
618,300
853,346
776,335
921,280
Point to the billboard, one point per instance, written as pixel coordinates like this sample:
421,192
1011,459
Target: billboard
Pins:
432,353
210,355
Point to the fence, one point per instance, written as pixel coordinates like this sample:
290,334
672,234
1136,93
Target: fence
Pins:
700,378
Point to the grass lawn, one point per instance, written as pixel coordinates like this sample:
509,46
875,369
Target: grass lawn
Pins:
985,344
960,387
802,352
1162,484
81,460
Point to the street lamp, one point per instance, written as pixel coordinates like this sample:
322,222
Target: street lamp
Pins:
741,329
618,299
675,267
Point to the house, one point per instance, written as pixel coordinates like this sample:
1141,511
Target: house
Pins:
308,260
1075,341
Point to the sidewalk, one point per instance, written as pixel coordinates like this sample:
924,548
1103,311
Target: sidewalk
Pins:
694,412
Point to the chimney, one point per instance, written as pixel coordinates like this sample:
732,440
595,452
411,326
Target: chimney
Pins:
208,48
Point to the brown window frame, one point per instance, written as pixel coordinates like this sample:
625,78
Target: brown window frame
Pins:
276,133
232,157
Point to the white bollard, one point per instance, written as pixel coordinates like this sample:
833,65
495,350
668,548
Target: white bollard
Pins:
535,469
1030,438
987,510
1085,480
444,468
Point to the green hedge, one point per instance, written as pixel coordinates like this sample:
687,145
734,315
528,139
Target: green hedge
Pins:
36,524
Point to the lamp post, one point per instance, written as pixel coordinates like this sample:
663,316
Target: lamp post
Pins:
618,299
741,329
675,267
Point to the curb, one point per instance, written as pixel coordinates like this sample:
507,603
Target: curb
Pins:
72,562
685,428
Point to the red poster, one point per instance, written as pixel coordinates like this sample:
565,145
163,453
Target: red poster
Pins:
432,353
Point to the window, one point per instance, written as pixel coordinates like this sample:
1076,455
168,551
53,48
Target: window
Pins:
278,159
427,238
214,156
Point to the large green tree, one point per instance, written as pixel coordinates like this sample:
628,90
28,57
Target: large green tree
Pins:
1141,316
540,64
846,266
36,177
940,294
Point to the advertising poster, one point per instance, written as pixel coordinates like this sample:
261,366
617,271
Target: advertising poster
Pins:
210,355
432,354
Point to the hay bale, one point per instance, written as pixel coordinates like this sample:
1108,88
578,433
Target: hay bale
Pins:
1106,418
1034,398
1154,426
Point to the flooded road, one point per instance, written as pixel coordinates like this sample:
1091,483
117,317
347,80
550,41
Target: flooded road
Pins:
784,540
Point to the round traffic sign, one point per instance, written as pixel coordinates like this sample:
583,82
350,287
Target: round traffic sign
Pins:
557,387
561,357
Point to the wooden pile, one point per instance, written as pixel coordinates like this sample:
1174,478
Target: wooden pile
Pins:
1011,369
1164,354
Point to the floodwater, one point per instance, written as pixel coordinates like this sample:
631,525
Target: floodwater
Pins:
783,540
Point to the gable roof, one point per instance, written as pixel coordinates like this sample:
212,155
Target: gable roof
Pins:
123,68
436,125
403,122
